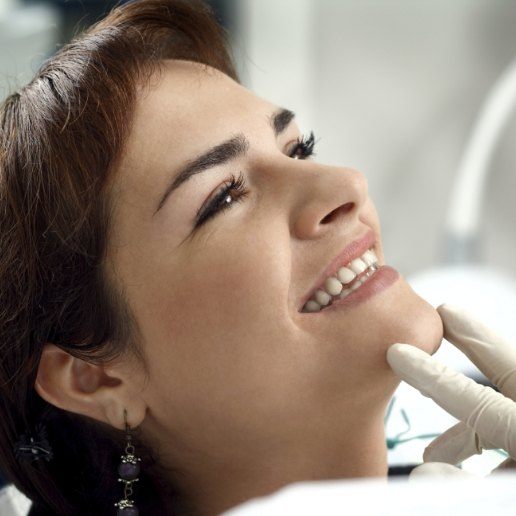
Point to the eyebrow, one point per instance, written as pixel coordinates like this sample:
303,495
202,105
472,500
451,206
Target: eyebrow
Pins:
228,150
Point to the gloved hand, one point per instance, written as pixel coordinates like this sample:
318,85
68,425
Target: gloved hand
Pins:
487,418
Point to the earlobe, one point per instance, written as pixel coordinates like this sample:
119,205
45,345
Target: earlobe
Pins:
77,386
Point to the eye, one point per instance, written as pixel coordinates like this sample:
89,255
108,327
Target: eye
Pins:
234,190
304,147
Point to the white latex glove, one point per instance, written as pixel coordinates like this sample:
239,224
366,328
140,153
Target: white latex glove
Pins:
487,418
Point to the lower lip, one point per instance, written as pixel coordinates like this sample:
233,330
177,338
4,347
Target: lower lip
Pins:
382,279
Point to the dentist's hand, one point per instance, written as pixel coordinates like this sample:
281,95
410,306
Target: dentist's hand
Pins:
487,418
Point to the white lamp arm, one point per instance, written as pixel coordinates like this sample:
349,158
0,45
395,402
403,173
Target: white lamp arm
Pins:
462,220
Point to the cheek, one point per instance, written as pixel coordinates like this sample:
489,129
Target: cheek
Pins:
239,286
228,362
220,325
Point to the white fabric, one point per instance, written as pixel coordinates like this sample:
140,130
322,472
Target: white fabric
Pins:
428,496
12,502
425,496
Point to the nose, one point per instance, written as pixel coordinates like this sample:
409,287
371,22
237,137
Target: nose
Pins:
328,196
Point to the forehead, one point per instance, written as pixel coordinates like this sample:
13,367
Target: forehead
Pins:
188,100
185,109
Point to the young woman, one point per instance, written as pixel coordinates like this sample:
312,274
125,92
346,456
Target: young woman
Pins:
167,240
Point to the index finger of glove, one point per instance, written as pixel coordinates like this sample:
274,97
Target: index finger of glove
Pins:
493,355
489,413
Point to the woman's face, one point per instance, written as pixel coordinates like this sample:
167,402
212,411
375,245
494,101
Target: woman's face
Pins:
219,304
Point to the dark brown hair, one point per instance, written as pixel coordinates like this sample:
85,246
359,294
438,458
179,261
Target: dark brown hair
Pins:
60,138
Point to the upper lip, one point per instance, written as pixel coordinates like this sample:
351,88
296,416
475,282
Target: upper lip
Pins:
354,250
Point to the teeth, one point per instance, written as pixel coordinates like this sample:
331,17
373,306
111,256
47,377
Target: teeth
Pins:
357,266
322,297
369,257
357,284
312,306
333,286
346,275
345,293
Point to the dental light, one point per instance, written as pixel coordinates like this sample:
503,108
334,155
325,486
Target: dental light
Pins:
462,279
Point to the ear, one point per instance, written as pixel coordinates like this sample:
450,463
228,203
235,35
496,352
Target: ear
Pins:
101,392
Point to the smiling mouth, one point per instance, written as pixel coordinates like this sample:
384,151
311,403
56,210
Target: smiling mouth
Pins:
343,282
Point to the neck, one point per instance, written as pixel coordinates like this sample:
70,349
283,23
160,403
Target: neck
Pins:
325,455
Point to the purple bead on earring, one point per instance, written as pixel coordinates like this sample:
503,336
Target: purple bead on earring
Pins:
128,469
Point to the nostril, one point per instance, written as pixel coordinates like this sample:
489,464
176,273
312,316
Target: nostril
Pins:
341,209
347,207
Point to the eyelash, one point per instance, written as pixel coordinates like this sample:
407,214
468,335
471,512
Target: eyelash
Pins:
305,144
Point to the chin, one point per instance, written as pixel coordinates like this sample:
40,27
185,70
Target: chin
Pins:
407,318
397,314
420,325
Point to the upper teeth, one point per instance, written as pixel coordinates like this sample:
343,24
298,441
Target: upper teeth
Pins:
333,285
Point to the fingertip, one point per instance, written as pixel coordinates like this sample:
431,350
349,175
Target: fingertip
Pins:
396,350
442,307
448,308
403,357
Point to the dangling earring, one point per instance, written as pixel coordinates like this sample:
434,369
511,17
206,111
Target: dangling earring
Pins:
129,469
